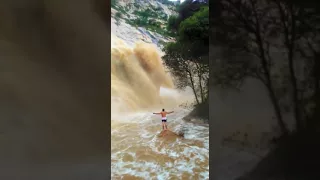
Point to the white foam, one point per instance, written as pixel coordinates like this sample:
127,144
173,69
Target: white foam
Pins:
141,124
168,92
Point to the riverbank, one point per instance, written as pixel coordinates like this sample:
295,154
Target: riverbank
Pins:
200,114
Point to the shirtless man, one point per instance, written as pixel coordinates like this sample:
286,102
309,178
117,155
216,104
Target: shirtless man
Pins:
164,118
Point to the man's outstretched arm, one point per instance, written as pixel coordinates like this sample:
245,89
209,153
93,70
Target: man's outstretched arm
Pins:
156,113
170,112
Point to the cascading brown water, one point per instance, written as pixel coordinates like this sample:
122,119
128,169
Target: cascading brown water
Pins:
140,85
137,74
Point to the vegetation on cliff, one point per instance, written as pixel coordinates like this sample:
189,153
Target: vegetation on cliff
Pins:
151,16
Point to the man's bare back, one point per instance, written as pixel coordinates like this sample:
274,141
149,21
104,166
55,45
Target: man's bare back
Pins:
163,114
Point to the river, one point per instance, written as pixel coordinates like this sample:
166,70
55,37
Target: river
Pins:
140,86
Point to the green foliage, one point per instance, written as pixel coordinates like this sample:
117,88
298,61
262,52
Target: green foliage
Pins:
148,18
173,58
118,15
193,36
114,3
127,8
195,27
173,23
163,16
153,22
187,58
160,30
173,49
141,21
188,8
187,71
156,9
121,9
161,42
194,31
147,13
167,2
137,6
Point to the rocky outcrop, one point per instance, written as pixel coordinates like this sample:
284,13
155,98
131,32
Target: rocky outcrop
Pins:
199,114
133,5
131,34
169,134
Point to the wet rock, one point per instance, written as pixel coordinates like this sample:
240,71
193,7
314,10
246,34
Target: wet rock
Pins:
168,133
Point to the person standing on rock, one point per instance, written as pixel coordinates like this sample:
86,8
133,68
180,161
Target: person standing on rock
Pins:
163,114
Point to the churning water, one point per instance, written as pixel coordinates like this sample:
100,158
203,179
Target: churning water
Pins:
141,86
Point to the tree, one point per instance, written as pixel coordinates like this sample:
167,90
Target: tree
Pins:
118,15
188,57
244,29
173,23
252,29
114,3
185,10
306,27
188,8
291,32
187,72
194,31
276,42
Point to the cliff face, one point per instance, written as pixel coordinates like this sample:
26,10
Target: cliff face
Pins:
160,5
141,20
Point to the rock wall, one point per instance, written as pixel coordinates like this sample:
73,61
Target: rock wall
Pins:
131,34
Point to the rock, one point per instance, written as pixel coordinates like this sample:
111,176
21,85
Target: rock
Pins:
131,34
168,133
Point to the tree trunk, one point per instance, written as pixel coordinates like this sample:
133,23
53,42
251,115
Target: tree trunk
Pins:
277,110
268,82
273,98
193,86
295,98
199,72
289,43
